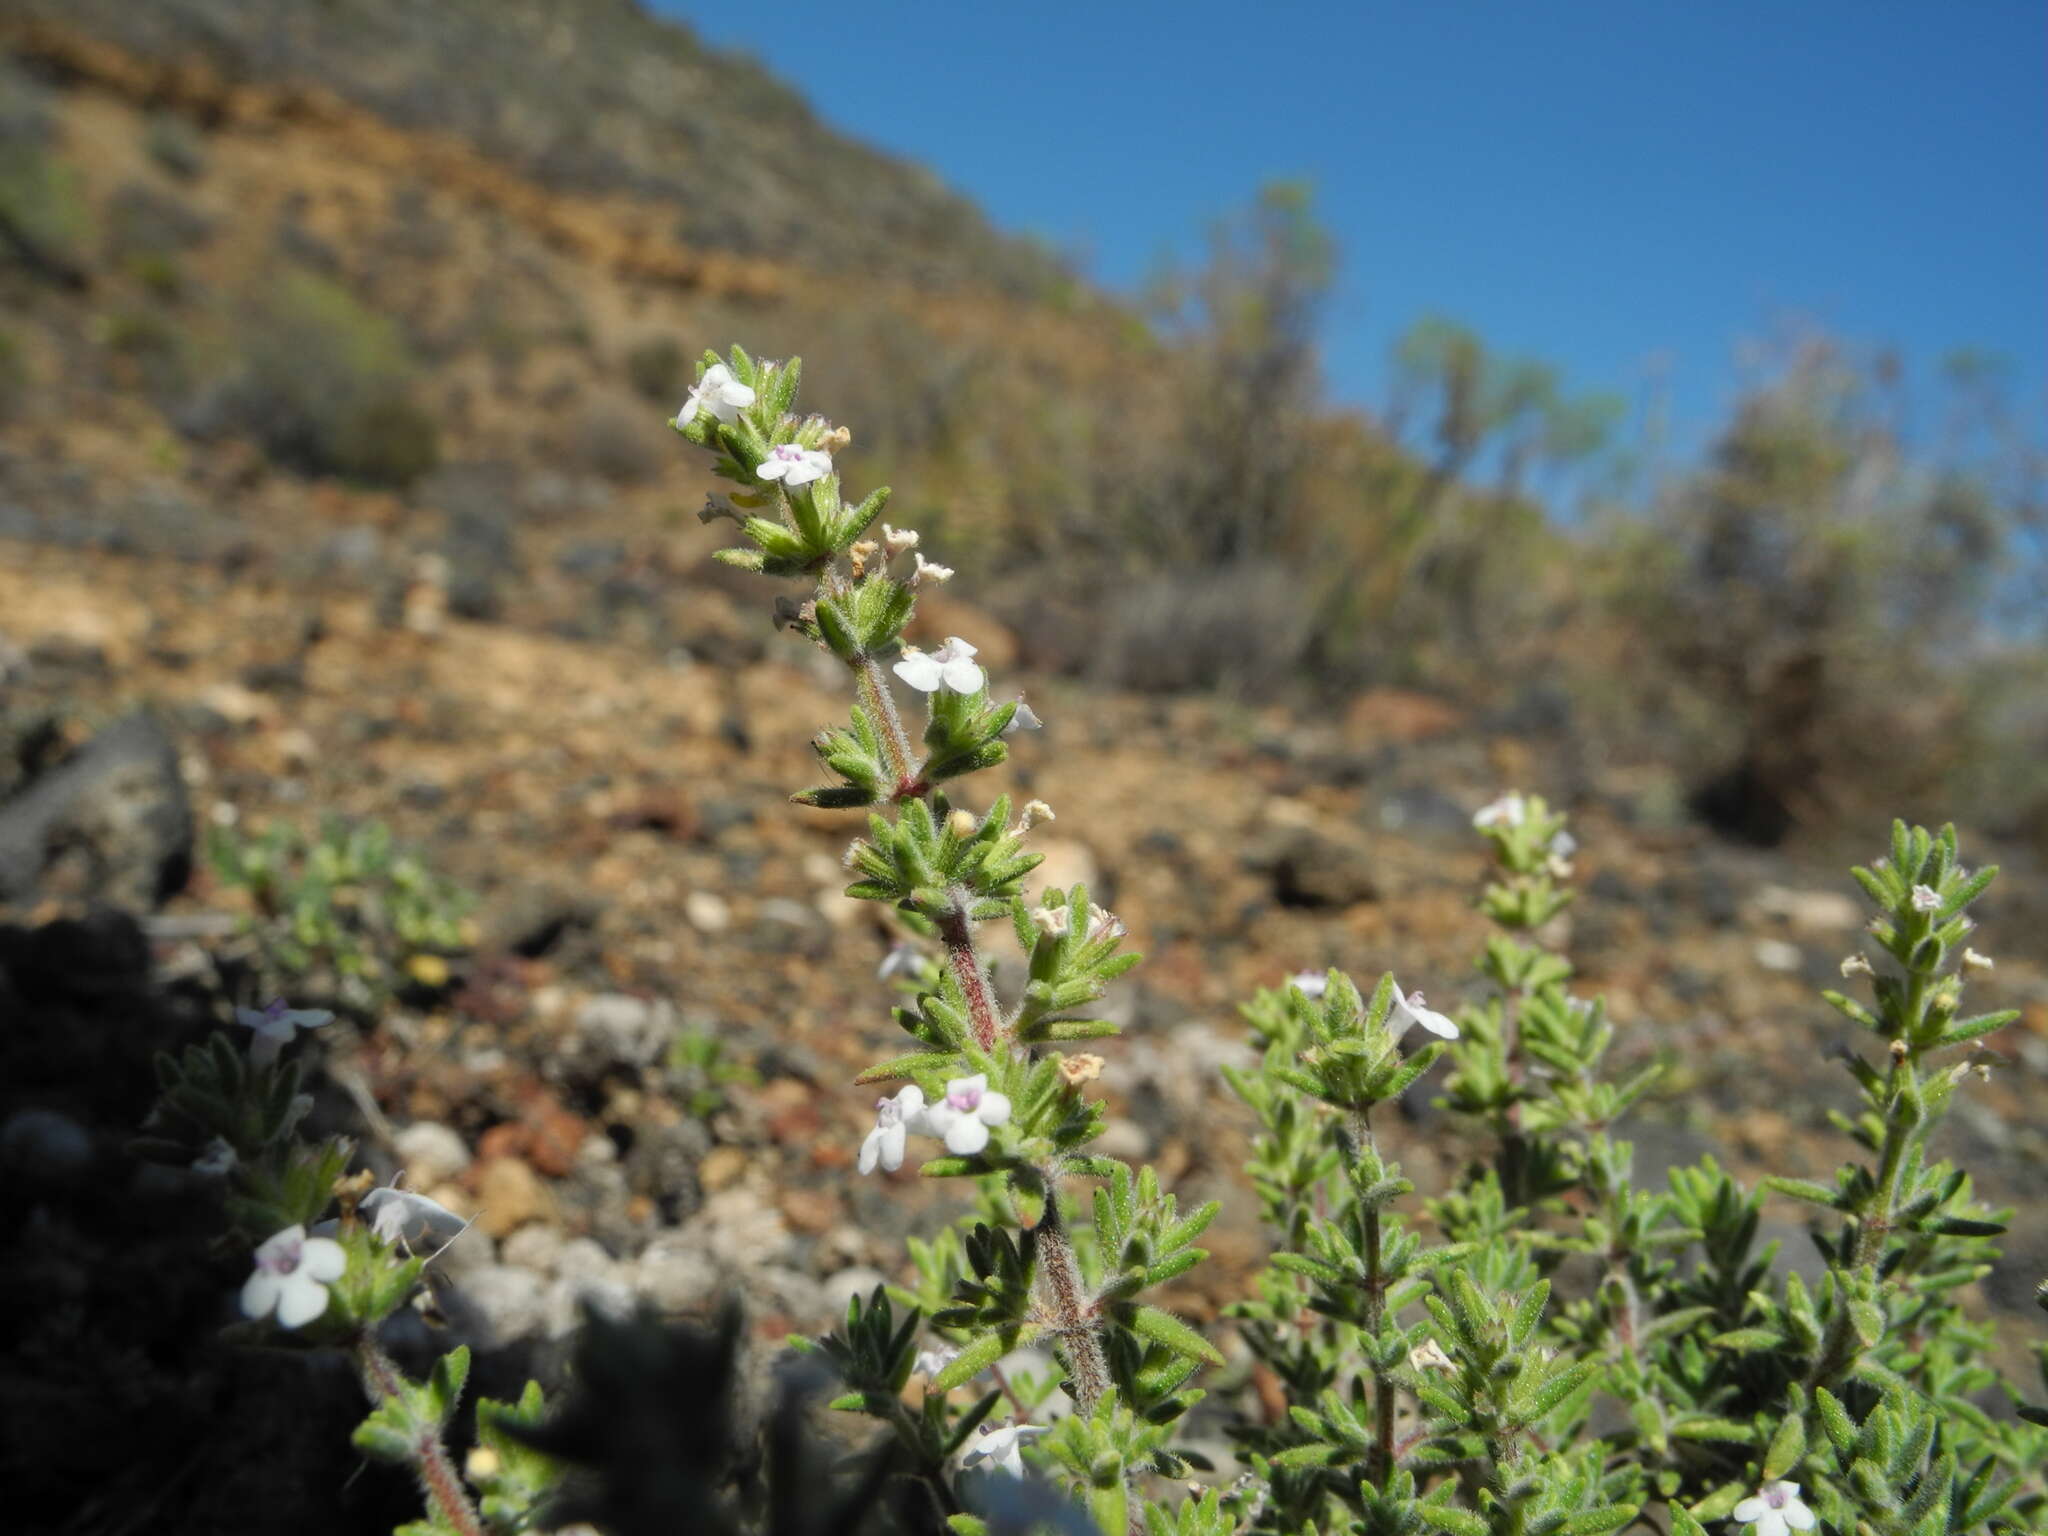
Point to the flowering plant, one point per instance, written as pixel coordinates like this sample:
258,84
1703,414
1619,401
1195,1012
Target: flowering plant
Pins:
1545,1347
1566,1353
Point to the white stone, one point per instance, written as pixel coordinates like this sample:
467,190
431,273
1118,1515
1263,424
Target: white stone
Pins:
857,1280
430,1152
535,1246
512,1301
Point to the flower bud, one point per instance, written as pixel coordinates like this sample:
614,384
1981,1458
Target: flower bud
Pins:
1084,1068
962,824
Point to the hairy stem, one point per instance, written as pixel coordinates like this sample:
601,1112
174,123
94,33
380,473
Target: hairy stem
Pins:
956,931
438,1478
1380,1468
1073,1320
881,707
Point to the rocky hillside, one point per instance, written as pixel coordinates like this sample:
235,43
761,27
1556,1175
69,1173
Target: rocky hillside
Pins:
334,480
591,97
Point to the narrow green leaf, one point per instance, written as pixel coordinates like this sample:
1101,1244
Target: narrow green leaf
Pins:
1164,1328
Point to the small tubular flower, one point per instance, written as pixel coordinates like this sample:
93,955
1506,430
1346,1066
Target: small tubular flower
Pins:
719,393
1310,983
292,1274
794,466
929,571
1775,1509
1409,1010
1926,899
895,1119
952,666
963,1117
1508,811
1001,1448
1023,718
275,1025
401,1215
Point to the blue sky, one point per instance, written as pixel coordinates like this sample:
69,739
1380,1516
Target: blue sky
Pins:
1617,188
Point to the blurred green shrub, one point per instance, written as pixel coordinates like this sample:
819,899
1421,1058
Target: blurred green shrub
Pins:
326,385
700,1072
343,913
177,145
13,377
659,369
44,223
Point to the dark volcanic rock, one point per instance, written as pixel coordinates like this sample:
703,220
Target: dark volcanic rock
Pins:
112,824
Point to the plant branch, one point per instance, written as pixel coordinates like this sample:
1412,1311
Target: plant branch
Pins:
438,1478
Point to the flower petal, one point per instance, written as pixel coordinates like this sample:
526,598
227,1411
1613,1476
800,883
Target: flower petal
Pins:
323,1259
994,1109
920,671
893,1138
963,676
1797,1515
300,1299
1750,1509
259,1294
966,1136
870,1151
772,469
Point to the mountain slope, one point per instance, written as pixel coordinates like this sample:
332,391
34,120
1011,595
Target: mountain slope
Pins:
594,97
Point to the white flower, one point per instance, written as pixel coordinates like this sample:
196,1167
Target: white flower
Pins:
397,1214
1856,965
1052,920
1000,1447
963,1116
1926,899
1775,1509
293,1272
895,1119
1563,845
1409,1010
902,960
929,571
899,540
1103,923
1021,719
218,1160
795,466
718,392
274,1026
950,666
1035,811
1310,983
1507,811
1977,962
932,1361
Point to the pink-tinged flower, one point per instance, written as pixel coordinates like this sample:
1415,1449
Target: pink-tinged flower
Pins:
1103,923
719,393
895,1119
401,1215
275,1025
1508,811
1409,1010
293,1272
963,1117
795,466
1000,1447
930,1362
1775,1510
952,666
1021,719
1926,899
902,960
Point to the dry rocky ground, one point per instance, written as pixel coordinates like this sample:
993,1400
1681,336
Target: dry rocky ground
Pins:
619,806
534,675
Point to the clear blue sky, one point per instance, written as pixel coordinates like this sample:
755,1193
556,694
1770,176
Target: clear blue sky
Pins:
1599,183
